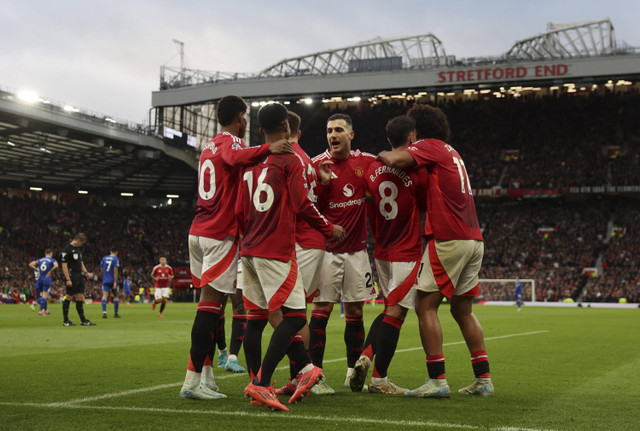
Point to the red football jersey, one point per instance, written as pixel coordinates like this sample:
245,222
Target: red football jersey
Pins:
162,273
218,178
398,197
342,201
306,236
451,211
271,194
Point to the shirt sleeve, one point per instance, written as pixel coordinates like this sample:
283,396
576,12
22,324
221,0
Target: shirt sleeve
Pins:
300,200
237,155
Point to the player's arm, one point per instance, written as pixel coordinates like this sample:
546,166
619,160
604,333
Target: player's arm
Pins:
397,159
171,275
33,265
237,155
303,206
53,268
115,276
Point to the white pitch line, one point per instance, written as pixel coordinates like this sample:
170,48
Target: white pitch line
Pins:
279,416
462,342
171,385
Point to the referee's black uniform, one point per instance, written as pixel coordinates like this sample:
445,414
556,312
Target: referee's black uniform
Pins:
72,256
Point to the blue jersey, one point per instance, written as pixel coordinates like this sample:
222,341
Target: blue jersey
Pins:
518,289
45,264
126,285
109,264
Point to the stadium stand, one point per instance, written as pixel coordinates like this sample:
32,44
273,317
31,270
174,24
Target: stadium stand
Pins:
582,245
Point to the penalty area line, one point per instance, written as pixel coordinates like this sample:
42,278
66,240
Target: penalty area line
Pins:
278,416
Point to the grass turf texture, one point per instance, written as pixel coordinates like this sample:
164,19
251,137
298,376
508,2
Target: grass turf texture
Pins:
553,369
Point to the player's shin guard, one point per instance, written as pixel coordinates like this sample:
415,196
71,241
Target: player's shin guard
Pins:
80,310
221,335
298,356
164,304
256,321
104,305
238,326
116,305
480,364
280,341
203,334
353,338
65,309
318,335
370,344
388,335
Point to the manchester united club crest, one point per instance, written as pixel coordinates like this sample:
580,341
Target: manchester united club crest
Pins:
359,171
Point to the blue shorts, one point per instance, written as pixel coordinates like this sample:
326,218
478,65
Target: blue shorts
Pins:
43,285
127,290
110,287
518,296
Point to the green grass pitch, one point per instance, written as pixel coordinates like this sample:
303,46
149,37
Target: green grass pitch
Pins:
553,369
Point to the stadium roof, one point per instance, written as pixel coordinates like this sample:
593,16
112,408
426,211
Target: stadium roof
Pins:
61,149
584,52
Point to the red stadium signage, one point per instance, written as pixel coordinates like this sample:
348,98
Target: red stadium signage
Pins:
502,73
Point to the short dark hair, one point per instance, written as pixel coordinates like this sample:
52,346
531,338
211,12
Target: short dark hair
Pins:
48,251
113,249
431,122
294,122
398,130
81,236
340,116
271,116
228,109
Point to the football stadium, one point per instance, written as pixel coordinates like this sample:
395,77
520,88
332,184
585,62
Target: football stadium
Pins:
549,132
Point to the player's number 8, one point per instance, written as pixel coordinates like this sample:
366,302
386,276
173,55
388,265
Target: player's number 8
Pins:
388,199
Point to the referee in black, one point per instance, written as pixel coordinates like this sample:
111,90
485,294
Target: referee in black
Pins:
74,271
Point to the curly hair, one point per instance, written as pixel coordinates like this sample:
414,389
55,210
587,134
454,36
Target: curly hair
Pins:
228,108
431,122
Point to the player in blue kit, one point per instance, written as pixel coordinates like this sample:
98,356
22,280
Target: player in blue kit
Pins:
43,268
110,265
126,288
518,293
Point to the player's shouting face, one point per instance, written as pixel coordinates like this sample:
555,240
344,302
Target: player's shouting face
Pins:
339,136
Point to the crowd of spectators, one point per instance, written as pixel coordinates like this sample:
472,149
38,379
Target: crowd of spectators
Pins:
527,142
29,225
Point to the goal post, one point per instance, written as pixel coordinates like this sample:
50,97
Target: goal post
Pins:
528,287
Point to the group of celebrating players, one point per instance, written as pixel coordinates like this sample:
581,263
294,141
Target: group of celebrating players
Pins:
299,227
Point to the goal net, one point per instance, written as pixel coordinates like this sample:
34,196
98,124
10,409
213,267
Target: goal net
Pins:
503,289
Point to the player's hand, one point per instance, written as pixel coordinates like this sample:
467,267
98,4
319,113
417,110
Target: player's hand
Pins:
69,283
338,233
281,147
324,171
382,157
89,274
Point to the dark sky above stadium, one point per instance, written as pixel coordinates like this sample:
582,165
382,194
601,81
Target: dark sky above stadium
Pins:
105,56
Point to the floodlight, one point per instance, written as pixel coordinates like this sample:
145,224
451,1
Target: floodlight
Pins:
28,96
